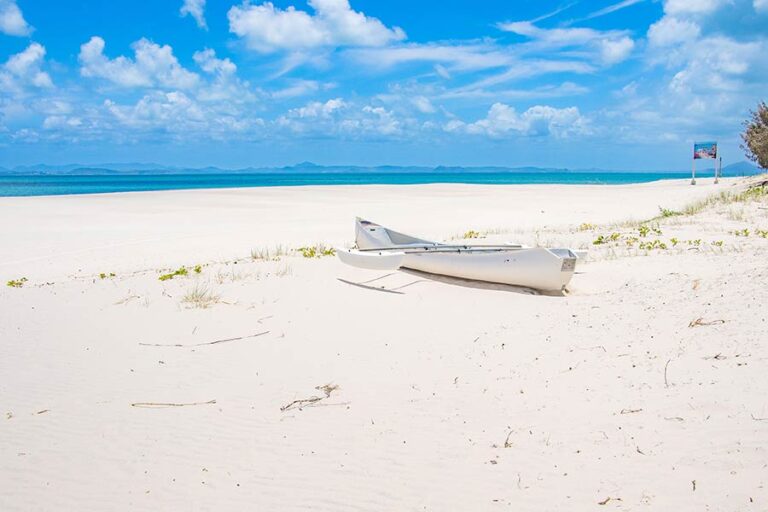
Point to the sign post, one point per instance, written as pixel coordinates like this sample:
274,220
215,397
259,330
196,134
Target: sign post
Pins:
703,150
718,170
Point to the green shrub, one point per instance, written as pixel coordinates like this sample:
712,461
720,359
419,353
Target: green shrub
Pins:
317,251
181,271
17,283
669,213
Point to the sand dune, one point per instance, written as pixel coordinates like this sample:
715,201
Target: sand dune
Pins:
118,394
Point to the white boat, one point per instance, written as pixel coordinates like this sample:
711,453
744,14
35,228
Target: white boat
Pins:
380,248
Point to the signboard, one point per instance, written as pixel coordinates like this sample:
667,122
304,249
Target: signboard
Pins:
704,150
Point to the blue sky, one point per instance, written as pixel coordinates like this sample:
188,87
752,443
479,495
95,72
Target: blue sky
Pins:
621,84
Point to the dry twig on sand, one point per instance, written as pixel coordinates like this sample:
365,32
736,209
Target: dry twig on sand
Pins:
666,383
327,389
163,405
700,322
202,344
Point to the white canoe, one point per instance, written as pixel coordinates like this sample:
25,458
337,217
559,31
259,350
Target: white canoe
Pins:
380,248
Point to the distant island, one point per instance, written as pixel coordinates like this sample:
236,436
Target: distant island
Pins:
113,169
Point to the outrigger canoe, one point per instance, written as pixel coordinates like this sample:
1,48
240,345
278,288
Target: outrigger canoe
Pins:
380,248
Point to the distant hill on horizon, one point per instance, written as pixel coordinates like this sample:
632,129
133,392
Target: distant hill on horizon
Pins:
136,169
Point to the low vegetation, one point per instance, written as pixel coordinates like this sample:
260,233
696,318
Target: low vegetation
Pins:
640,239
284,270
652,244
604,239
181,271
105,275
267,254
741,232
665,213
756,193
471,234
17,283
317,251
200,297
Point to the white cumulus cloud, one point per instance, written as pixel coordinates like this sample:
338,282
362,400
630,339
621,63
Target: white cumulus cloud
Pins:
12,21
223,84
181,116
617,50
209,63
423,104
342,119
25,69
196,9
267,28
153,65
669,31
317,109
540,120
760,5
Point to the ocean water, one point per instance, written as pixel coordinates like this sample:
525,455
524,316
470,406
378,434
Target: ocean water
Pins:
41,185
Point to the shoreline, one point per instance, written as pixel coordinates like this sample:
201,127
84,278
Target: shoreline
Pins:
122,179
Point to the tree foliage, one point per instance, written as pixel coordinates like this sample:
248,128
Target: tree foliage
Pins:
755,136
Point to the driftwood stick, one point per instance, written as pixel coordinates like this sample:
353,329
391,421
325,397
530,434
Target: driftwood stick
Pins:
163,405
202,344
327,389
303,401
666,383
700,322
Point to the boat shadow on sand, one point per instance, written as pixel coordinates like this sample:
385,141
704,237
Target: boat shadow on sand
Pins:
425,277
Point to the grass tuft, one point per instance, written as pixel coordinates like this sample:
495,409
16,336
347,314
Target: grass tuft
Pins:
200,297
267,254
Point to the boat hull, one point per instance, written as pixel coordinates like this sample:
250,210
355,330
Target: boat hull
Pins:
380,248
538,268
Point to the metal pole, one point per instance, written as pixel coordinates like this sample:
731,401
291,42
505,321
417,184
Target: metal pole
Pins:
693,171
718,170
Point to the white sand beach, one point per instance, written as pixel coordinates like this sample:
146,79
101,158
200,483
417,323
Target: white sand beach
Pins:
641,388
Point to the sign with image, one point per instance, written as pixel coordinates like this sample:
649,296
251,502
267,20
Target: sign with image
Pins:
704,150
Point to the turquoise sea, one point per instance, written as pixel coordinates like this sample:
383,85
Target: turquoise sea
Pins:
39,185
